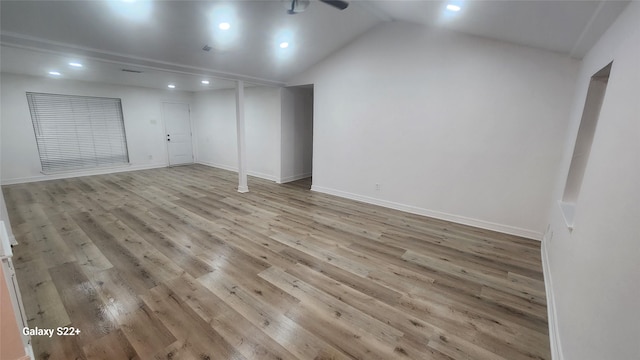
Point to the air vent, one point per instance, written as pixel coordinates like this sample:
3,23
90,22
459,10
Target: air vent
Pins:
206,48
132,71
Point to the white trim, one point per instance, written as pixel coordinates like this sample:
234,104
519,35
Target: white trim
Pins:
293,178
235,169
554,335
262,176
219,166
68,175
511,230
28,349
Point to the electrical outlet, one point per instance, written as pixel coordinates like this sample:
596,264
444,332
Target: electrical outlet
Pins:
150,157
377,187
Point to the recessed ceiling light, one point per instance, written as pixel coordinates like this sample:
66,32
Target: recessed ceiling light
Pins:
54,73
75,64
171,86
452,7
284,45
224,26
205,82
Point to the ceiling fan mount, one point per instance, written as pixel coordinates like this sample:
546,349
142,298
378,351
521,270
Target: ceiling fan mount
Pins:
297,6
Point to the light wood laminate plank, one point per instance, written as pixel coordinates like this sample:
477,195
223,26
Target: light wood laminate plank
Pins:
174,263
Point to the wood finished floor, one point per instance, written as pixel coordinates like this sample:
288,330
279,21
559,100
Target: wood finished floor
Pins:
175,264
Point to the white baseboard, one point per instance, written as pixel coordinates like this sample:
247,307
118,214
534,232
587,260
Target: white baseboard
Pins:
554,335
67,175
28,349
219,166
262,176
235,169
287,179
507,229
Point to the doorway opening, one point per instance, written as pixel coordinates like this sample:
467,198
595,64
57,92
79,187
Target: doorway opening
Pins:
584,140
297,135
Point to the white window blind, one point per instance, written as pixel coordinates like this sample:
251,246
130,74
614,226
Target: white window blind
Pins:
78,132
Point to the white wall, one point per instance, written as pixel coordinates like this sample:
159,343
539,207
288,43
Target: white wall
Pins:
4,215
214,122
141,108
262,116
595,270
214,118
449,125
297,133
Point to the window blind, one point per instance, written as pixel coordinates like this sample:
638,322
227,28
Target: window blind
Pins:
78,132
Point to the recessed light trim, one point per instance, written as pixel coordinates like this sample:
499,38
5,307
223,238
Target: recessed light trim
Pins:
224,26
205,82
284,45
54,73
75,64
452,7
171,86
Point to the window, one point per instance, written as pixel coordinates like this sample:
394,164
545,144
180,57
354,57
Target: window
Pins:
78,132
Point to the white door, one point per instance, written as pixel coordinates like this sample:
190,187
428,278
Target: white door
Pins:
178,133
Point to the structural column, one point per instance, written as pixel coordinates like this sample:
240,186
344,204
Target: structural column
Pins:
242,148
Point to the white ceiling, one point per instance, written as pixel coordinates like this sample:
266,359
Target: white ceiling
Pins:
570,27
165,38
37,63
171,34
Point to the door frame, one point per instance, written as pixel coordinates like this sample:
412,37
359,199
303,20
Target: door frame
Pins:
164,133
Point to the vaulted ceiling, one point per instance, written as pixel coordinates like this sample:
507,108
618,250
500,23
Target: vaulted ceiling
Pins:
569,27
165,39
